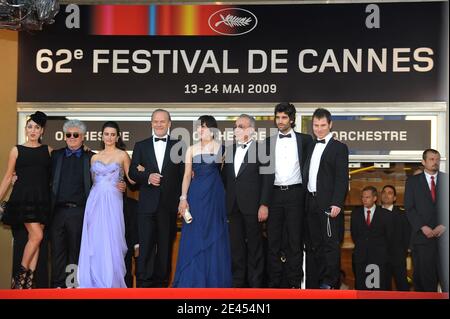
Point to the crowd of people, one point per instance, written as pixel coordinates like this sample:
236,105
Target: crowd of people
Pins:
256,210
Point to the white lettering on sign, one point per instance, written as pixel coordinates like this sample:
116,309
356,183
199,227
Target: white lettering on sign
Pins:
370,136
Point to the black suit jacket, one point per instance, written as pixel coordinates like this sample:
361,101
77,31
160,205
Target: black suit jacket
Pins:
57,160
246,189
169,190
401,236
303,143
371,242
420,208
332,177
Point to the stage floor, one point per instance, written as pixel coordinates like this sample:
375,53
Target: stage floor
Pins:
211,293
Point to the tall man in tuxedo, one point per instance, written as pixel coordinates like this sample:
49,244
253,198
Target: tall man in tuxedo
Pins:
286,201
326,180
247,204
398,247
426,204
159,177
371,229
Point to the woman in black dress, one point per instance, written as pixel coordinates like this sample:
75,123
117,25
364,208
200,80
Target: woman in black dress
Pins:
29,200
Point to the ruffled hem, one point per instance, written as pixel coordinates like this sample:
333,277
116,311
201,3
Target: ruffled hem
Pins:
20,213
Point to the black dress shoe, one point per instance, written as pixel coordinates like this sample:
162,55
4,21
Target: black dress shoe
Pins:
294,285
325,286
274,285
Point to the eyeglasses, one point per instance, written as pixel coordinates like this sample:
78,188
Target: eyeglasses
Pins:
75,135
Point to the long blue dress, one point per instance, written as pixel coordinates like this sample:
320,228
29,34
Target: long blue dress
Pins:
204,259
103,247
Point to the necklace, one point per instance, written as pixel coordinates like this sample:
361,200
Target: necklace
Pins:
207,148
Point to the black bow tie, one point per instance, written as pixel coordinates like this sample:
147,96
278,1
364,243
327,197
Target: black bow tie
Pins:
164,139
320,141
242,145
283,136
70,152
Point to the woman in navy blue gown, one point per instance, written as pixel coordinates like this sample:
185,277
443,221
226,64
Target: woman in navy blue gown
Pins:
204,254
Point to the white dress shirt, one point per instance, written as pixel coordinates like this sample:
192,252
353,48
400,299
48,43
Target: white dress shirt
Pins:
239,155
315,163
160,150
389,208
287,165
428,177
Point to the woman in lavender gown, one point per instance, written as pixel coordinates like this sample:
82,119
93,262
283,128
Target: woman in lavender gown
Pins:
102,254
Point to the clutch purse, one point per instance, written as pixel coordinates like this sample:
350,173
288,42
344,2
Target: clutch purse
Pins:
187,216
2,210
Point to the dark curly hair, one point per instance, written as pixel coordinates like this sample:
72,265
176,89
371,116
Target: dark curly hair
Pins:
119,144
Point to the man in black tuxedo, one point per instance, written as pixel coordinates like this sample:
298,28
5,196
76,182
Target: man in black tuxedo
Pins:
286,201
371,229
159,175
246,204
71,184
426,204
398,248
326,180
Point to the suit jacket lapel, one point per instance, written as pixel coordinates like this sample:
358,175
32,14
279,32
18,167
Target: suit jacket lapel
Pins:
298,137
86,173
167,152
232,164
57,178
326,150
245,161
305,173
440,184
375,217
425,187
273,145
152,153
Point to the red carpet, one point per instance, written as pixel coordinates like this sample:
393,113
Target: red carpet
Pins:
212,293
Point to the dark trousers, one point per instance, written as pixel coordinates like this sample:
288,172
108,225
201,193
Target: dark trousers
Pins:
361,276
131,236
247,254
443,260
397,269
20,236
323,250
285,215
156,235
65,231
427,272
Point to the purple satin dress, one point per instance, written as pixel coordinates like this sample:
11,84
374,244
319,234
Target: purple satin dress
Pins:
101,263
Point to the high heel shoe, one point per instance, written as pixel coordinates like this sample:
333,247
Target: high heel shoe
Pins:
18,281
28,279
